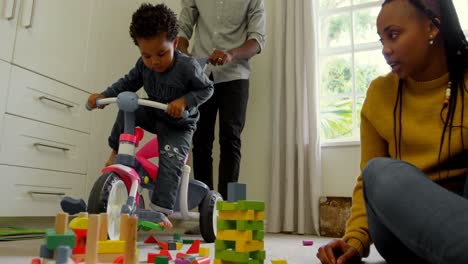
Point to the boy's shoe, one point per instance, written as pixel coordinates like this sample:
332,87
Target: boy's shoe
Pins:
166,223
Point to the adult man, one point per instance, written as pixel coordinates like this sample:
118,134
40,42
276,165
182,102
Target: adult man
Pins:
229,33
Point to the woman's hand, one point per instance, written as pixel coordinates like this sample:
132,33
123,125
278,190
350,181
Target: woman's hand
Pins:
176,107
338,252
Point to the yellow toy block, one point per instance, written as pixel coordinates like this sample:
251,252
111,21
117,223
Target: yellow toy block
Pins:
278,261
218,261
111,247
234,235
78,223
178,245
237,215
204,252
259,215
249,246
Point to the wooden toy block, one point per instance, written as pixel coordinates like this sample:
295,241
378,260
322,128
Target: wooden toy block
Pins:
178,246
152,256
61,221
187,241
53,240
163,245
80,242
226,206
240,225
181,255
258,235
249,246
36,261
307,242
123,226
202,260
130,256
229,255
92,239
234,235
236,191
172,245
221,245
103,228
258,255
111,247
182,261
45,252
151,240
251,205
177,237
63,253
78,223
109,258
238,215
194,248
260,215
278,261
161,260
204,252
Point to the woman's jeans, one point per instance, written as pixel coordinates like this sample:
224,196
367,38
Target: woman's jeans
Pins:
412,219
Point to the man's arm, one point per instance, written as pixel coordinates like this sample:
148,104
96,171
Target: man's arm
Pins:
187,19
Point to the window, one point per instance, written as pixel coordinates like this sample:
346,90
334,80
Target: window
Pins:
350,58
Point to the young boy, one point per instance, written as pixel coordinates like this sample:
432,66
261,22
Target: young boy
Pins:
169,77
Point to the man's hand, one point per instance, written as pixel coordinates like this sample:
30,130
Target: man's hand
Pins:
219,57
338,252
92,100
183,45
176,107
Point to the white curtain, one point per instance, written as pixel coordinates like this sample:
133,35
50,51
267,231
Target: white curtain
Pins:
295,183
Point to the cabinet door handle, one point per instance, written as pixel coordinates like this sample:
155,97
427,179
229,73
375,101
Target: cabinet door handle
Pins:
47,193
9,9
50,146
55,101
28,12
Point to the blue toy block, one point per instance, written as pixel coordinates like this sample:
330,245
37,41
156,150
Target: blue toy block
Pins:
63,254
236,191
44,252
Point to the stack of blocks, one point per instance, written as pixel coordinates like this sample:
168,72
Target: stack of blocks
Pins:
240,233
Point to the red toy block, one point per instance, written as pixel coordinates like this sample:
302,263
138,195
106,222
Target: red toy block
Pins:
151,240
80,244
163,245
36,261
194,248
202,260
119,260
152,256
182,255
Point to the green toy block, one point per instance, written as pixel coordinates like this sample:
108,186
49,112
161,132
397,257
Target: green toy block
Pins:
161,260
251,205
249,225
224,245
187,241
258,235
229,255
226,206
53,240
226,224
258,255
177,237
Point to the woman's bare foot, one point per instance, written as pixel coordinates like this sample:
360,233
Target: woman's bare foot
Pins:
166,223
111,159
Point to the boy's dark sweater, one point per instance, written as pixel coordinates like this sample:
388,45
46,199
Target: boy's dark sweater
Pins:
185,78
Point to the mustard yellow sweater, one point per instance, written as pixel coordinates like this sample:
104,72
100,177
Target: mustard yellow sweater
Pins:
421,133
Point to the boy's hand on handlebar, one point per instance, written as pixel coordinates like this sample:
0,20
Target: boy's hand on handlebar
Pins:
176,107
92,100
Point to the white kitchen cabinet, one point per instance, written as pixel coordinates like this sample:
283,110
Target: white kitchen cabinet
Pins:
8,20
4,78
52,39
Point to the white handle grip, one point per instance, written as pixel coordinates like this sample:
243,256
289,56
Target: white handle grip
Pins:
28,12
9,9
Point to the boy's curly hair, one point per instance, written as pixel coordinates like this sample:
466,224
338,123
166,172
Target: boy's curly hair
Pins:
151,20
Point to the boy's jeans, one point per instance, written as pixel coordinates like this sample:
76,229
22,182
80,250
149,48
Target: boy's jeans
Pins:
412,219
174,145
